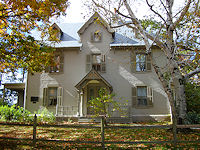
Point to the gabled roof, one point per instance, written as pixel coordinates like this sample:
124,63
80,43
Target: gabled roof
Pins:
123,36
92,75
96,18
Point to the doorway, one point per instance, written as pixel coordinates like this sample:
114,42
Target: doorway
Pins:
92,92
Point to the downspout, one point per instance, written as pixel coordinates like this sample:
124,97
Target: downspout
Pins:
26,90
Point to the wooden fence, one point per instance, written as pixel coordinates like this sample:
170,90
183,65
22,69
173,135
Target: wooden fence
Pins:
102,127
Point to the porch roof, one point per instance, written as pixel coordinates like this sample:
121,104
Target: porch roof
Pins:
14,86
92,75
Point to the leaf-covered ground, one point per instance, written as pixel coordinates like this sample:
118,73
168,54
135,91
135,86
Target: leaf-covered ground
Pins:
80,134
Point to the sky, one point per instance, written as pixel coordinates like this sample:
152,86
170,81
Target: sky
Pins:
75,12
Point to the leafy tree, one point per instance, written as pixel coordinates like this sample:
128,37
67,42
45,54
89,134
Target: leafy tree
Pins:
18,49
166,26
101,104
192,92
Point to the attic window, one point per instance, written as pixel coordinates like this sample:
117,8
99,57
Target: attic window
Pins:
55,33
96,36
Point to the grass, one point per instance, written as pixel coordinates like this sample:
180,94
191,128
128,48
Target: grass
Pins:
81,134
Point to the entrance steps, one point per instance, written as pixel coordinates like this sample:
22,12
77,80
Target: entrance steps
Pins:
86,119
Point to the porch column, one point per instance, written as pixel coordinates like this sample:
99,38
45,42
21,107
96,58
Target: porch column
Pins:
78,103
81,103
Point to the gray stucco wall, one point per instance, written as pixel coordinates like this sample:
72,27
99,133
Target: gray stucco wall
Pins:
118,74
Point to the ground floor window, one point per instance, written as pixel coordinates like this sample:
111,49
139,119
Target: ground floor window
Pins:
142,96
52,96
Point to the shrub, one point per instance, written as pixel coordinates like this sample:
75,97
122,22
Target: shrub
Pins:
14,113
193,118
44,115
192,92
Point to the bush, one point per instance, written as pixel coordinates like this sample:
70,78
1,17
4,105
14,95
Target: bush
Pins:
192,92
44,115
14,113
193,118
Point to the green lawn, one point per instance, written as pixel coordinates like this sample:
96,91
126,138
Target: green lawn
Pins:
94,135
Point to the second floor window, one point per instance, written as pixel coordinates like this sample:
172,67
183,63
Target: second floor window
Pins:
97,62
140,62
56,64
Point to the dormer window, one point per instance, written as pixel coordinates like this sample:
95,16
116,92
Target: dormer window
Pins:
54,33
96,36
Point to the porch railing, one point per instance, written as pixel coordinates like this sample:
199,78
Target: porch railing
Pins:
67,111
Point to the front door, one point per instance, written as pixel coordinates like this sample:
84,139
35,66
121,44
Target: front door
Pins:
93,92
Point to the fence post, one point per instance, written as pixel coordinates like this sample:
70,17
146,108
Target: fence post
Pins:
34,130
102,133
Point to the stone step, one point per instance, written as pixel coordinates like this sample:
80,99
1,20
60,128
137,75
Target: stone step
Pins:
88,120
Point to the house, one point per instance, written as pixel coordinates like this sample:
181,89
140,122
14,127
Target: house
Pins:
91,55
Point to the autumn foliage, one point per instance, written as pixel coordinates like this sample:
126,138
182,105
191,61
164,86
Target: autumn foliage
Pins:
18,49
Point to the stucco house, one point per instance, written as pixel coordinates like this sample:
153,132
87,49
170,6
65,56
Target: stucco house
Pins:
92,55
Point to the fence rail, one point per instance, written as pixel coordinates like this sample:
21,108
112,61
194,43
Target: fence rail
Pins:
102,127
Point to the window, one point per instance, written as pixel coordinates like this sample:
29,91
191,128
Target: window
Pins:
96,62
52,96
140,62
96,36
142,97
56,64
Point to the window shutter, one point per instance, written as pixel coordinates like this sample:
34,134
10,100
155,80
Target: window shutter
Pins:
133,61
100,38
103,64
45,97
149,96
148,62
92,36
134,96
61,63
60,96
88,63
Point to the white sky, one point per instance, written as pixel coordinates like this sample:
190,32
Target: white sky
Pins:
74,12
76,8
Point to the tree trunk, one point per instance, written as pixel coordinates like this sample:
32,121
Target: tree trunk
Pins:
180,98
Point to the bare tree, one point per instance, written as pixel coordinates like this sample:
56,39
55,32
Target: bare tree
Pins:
166,36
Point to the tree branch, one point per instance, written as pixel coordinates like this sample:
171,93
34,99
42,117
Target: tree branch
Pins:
192,73
151,7
181,15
